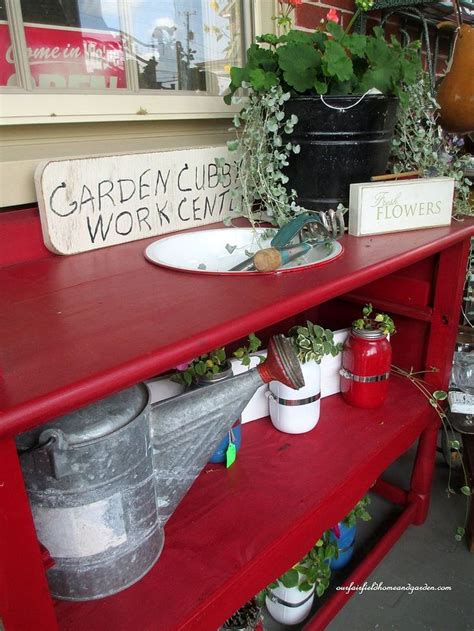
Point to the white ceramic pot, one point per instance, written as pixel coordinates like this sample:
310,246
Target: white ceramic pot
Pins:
297,411
288,605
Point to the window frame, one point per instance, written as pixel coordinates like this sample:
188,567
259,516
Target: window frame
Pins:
29,105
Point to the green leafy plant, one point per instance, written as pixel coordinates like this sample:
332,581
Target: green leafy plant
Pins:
312,570
421,144
371,321
329,60
436,398
312,342
214,362
358,512
262,154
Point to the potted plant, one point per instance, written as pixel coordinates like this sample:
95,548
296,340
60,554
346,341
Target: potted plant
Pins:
297,411
211,368
420,144
289,599
366,359
338,91
344,533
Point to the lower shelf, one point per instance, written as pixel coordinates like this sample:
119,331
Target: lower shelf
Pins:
239,528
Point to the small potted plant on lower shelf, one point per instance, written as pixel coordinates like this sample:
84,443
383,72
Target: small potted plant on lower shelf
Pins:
211,368
366,359
344,533
297,411
289,599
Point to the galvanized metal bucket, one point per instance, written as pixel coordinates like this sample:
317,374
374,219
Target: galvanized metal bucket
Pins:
89,477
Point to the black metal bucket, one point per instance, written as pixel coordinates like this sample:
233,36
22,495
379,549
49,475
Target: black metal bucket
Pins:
342,142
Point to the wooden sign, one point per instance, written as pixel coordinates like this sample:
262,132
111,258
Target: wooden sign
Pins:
94,202
380,207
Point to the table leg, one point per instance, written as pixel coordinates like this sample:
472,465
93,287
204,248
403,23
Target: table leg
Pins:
423,470
468,455
25,602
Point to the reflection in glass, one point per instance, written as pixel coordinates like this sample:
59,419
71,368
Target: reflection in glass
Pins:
7,64
186,44
74,43
463,371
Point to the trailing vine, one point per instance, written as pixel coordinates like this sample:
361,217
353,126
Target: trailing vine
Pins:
421,144
435,399
263,152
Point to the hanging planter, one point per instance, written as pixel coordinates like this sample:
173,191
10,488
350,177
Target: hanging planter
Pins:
297,411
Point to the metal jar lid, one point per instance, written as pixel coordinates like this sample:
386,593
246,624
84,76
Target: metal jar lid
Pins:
368,335
207,380
94,421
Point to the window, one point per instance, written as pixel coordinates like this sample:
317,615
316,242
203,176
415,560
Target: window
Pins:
120,46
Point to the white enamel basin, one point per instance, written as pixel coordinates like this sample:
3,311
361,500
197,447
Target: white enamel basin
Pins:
217,251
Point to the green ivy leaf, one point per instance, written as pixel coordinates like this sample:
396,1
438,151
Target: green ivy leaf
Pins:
378,77
290,578
261,80
299,62
335,30
268,38
336,63
320,87
466,490
356,43
263,58
319,38
299,37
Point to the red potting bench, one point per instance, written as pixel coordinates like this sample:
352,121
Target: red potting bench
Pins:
75,329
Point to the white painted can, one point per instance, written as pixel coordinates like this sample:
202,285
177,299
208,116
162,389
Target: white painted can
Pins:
297,607
297,411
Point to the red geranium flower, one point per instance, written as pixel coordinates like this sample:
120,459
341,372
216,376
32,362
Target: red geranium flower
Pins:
332,16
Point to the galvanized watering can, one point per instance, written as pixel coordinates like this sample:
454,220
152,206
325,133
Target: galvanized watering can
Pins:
104,480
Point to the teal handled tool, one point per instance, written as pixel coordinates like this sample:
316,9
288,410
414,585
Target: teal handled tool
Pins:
271,259
311,228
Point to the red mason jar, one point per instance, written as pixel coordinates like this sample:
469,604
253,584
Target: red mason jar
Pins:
366,360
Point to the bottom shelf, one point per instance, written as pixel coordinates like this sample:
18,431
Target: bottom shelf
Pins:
239,528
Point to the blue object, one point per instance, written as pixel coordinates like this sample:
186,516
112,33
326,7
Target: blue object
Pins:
345,545
219,454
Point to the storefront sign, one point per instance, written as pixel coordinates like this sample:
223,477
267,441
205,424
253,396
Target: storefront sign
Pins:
380,207
94,202
62,57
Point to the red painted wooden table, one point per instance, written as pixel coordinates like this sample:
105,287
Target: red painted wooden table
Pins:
79,328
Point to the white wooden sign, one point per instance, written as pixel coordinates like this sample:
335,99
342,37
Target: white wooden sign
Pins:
380,207
93,202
